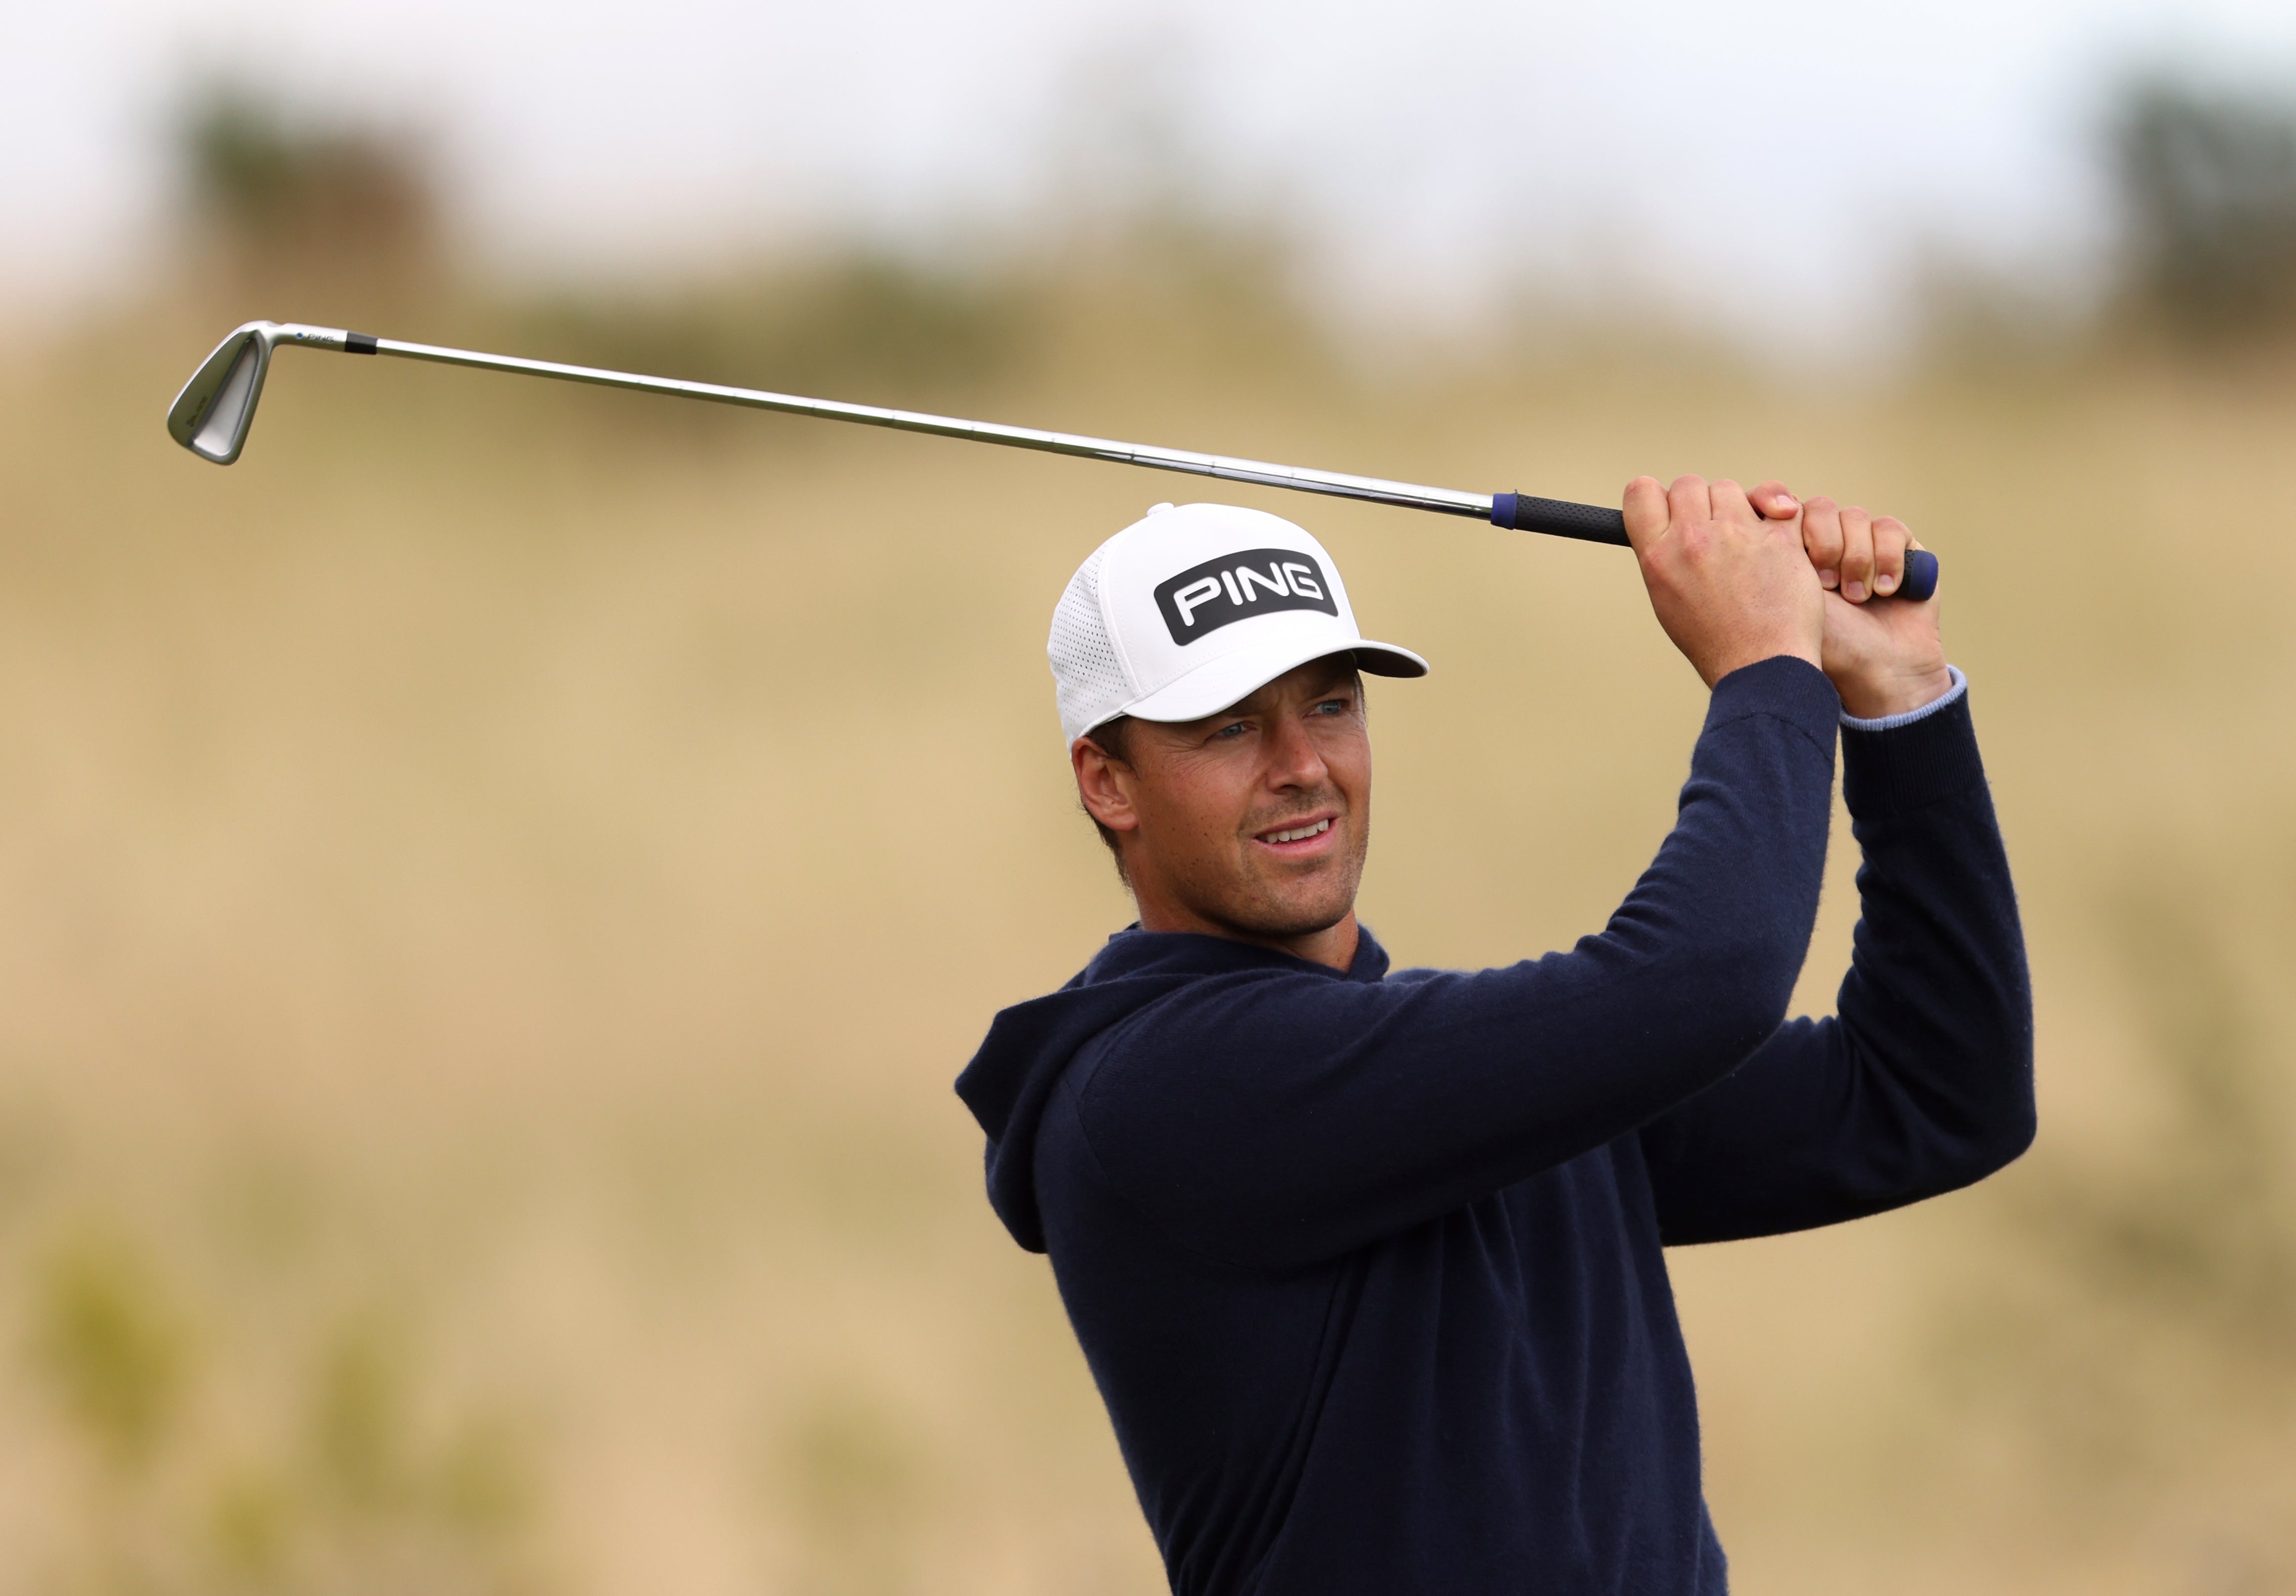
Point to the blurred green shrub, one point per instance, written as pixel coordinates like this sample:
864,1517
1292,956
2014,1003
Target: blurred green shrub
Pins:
111,1346
342,216
2148,1292
2208,186
866,314
252,1528
853,1476
361,1420
882,325
384,1488
2205,1230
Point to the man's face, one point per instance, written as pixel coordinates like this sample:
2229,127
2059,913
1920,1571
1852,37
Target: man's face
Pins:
1253,823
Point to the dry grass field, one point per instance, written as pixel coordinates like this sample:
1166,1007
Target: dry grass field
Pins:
495,889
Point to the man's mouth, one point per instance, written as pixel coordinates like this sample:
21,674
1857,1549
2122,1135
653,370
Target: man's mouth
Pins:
1298,833
1302,836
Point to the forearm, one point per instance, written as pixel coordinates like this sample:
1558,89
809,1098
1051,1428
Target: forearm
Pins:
1923,1082
1938,995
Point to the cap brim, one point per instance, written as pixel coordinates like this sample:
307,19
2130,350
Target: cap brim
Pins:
1215,685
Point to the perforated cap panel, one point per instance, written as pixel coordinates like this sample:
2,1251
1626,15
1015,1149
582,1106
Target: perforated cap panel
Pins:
1087,677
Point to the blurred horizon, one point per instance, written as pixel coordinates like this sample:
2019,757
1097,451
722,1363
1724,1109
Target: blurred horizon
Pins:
1428,172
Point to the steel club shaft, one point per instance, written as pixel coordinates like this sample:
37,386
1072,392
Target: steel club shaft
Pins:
211,416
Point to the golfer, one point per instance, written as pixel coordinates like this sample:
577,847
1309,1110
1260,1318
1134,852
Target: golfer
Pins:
1367,1264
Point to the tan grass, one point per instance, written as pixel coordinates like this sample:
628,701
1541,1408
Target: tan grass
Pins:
497,884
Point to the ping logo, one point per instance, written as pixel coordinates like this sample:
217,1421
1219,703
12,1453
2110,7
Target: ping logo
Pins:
1202,599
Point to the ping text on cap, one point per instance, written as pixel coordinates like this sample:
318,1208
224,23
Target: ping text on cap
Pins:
1202,599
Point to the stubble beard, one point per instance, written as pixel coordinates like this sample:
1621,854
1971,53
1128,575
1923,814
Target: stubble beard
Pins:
1266,900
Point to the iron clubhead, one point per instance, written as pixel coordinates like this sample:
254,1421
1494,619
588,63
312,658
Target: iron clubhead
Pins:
211,416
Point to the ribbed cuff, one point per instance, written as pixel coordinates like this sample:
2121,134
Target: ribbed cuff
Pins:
1890,723
1924,756
1792,690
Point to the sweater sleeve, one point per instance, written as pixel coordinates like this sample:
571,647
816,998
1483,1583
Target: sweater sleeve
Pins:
1924,1081
1279,1115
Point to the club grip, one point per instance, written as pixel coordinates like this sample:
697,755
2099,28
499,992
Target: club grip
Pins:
1558,518
1591,523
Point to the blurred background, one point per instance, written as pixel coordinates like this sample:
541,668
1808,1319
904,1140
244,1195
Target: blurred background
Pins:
496,885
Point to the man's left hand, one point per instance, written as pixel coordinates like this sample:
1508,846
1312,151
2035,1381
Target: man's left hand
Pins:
1884,659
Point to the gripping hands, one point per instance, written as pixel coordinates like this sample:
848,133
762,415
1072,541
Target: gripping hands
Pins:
1731,587
1735,579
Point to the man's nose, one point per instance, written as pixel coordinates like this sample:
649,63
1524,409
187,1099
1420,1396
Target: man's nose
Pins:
1294,759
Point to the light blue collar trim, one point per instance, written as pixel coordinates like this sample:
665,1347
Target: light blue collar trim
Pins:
1890,723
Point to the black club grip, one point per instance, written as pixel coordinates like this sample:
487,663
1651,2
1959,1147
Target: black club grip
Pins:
1591,523
1559,517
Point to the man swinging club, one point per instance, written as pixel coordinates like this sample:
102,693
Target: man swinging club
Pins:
1367,1264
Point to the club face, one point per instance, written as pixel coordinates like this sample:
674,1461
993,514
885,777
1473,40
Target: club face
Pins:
211,416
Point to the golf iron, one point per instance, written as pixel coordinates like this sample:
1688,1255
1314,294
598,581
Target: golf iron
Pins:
212,414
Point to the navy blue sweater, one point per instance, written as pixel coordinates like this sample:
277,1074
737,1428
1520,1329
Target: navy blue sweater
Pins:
1367,1266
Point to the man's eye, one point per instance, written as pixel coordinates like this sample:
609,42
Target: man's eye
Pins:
1332,707
1232,730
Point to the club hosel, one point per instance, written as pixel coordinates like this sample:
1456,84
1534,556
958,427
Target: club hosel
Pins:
1592,523
319,337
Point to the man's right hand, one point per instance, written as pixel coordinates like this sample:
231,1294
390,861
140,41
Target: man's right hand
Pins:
1731,587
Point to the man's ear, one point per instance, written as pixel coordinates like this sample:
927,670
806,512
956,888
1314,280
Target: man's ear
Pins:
1104,783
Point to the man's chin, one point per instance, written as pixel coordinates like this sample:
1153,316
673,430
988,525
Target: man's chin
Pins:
1286,921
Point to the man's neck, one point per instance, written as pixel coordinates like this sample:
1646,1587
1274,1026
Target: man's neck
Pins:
1334,946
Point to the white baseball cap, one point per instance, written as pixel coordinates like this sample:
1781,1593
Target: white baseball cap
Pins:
1197,606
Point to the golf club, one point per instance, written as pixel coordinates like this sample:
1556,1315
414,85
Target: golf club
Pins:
212,414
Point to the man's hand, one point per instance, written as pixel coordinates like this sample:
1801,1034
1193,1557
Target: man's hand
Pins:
1730,586
1856,555
1885,659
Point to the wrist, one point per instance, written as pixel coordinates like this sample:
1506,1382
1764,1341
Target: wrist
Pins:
1713,671
1752,650
1876,695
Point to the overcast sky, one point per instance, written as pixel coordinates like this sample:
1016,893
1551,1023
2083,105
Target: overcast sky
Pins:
1779,160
